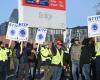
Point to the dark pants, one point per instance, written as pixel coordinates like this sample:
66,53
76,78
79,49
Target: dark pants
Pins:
3,70
8,66
47,72
98,68
23,72
93,70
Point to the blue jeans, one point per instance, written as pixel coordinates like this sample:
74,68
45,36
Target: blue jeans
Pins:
75,67
85,71
56,72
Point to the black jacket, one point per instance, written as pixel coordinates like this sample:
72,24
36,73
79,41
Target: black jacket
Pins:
86,55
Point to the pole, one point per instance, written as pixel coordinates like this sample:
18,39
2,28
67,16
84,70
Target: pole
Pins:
21,48
37,50
95,39
10,43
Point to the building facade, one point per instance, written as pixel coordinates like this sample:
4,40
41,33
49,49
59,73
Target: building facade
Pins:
12,18
3,28
81,32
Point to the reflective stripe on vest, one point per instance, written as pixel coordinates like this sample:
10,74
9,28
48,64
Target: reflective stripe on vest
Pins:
97,48
58,58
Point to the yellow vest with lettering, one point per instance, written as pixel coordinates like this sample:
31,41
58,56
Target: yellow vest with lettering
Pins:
58,58
97,48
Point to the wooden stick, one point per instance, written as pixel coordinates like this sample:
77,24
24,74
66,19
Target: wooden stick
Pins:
21,48
37,48
10,43
95,39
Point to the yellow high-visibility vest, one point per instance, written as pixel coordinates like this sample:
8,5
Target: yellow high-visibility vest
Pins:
9,50
0,55
44,53
97,48
3,55
58,58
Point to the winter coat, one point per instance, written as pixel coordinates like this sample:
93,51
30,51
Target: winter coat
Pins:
86,55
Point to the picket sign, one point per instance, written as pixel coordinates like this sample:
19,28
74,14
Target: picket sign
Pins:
41,35
93,26
23,33
12,31
17,32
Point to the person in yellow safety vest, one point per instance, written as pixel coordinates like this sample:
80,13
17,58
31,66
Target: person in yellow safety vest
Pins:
8,51
10,58
46,55
97,49
3,59
3,55
57,61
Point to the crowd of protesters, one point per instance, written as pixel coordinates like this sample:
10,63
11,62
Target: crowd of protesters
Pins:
50,61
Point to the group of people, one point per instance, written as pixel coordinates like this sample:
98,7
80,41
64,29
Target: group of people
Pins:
85,59
32,61
52,59
81,57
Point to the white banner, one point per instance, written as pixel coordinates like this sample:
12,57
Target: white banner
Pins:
41,35
93,26
17,32
12,31
23,34
46,14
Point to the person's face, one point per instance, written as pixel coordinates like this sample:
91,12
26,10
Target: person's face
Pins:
76,42
49,45
36,45
59,46
2,45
